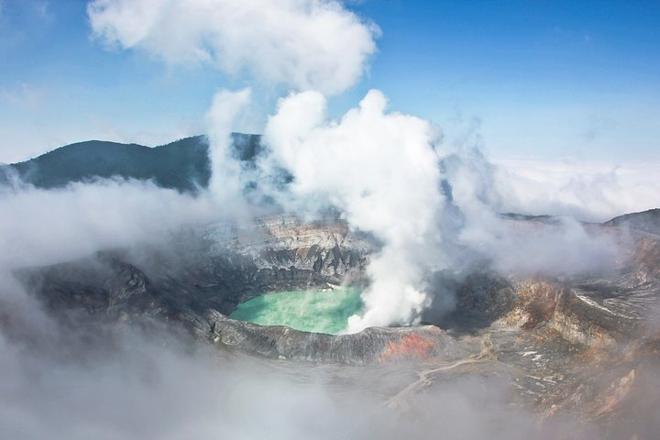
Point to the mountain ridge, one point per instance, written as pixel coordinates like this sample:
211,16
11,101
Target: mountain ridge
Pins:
183,165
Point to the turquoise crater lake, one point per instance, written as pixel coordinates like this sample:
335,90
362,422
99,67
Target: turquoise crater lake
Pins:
320,311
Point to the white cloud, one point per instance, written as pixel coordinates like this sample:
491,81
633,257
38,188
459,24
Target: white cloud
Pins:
303,44
41,227
588,191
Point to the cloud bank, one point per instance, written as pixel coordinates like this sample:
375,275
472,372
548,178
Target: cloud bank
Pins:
587,191
42,227
301,44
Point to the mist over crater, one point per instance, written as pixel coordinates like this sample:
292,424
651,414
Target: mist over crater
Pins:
328,219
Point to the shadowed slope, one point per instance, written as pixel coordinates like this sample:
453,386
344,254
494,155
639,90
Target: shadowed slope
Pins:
182,165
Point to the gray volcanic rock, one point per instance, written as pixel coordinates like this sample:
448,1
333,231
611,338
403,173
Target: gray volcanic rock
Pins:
646,221
212,270
369,346
326,247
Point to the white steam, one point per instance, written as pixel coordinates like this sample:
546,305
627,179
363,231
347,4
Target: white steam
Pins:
303,44
432,207
379,169
474,229
225,182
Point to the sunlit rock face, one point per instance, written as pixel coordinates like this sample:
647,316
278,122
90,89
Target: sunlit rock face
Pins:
327,248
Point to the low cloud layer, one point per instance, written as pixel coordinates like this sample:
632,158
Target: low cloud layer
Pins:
43,227
587,191
301,44
128,384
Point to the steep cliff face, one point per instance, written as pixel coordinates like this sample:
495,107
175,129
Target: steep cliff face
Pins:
327,248
374,345
206,270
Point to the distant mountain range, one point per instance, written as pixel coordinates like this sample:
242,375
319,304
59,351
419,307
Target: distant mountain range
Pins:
183,165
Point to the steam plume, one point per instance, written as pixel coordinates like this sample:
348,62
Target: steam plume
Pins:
380,169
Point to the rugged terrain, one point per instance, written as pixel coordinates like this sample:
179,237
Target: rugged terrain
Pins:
585,345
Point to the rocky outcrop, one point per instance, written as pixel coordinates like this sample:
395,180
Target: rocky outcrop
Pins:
577,313
325,247
646,221
370,346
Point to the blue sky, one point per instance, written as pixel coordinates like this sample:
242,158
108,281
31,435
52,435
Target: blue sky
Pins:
537,79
